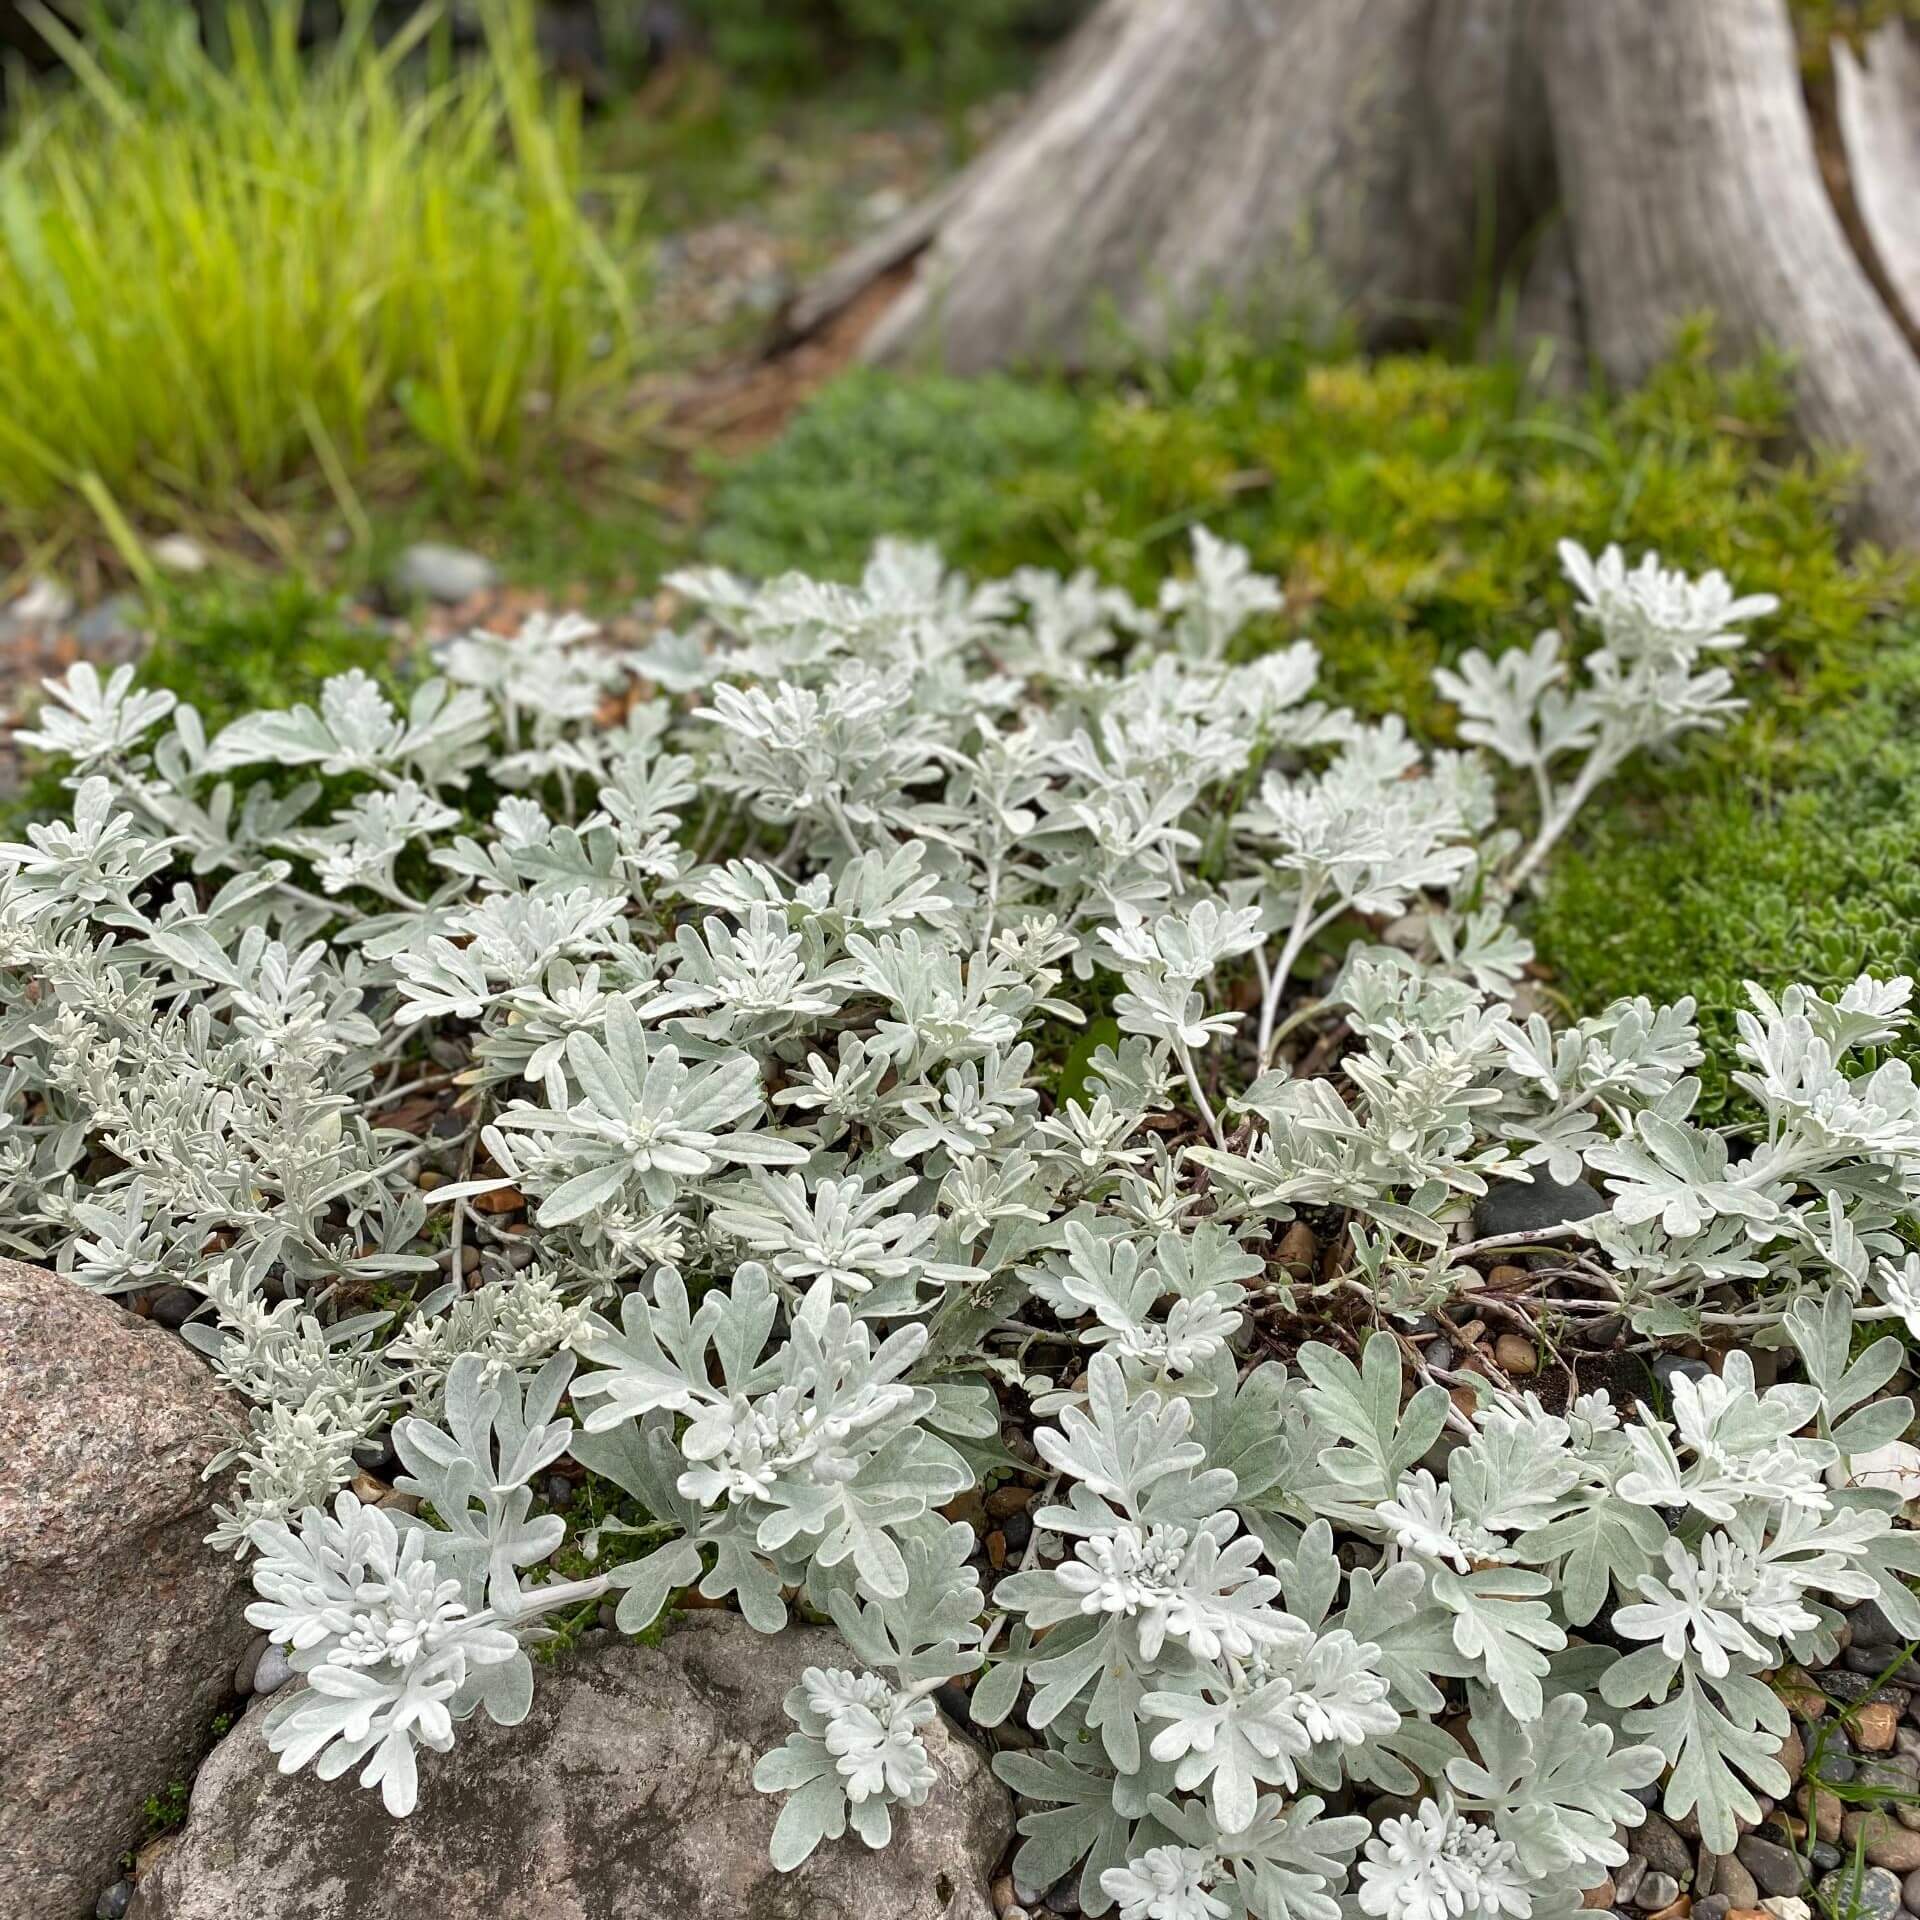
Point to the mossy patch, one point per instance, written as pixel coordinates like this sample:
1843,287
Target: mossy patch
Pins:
1411,506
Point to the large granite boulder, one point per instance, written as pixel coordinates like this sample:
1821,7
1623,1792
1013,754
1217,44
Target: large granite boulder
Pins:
119,1627
626,1791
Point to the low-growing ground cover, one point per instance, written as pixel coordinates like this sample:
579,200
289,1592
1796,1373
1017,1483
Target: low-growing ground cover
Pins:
1406,505
876,1049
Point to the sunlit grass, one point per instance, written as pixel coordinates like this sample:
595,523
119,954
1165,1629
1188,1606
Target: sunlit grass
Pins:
225,272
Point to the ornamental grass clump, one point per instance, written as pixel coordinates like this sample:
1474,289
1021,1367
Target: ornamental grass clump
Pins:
337,265
918,1020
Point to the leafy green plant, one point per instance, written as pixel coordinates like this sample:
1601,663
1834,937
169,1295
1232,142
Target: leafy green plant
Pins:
343,264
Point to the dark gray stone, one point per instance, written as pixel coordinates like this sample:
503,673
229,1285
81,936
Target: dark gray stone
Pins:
1520,1206
110,630
1669,1367
114,1901
173,1306
1774,1868
1857,1688
1872,1894
245,1667
1871,1627
1663,1849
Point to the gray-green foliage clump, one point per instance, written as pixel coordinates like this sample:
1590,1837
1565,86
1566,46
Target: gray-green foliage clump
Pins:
764,997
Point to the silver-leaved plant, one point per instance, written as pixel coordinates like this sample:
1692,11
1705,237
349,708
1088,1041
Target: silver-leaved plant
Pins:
947,1036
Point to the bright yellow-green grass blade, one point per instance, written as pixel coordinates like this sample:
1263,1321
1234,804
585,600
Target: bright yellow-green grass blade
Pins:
218,274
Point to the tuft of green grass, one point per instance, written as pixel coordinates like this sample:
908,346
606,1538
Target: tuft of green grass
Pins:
1411,506
222,272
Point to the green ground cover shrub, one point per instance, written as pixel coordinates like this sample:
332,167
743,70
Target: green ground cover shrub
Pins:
223,272
1410,506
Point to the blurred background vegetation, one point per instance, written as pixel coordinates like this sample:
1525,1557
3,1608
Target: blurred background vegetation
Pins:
308,285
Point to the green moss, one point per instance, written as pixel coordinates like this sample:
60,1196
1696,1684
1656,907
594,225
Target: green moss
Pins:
1411,505
968,464
231,649
1805,870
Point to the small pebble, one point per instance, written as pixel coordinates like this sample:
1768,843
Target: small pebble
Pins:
1885,1842
1874,1727
559,1491
1872,1661
1516,1355
431,571
1787,1907
1298,1251
173,1306
1731,1879
1600,1894
1871,1627
1668,1367
1018,1530
273,1671
1712,1906
1656,1890
1798,1693
1871,1894
1823,1809
1857,1689
1627,1878
244,1667
1909,1891
114,1902
1663,1849
1064,1895
1823,1855
1775,1869
376,1456
179,553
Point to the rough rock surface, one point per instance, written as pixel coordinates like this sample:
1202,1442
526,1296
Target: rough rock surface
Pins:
626,1791
119,1627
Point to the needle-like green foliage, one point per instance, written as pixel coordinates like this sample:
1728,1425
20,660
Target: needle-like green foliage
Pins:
221,270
